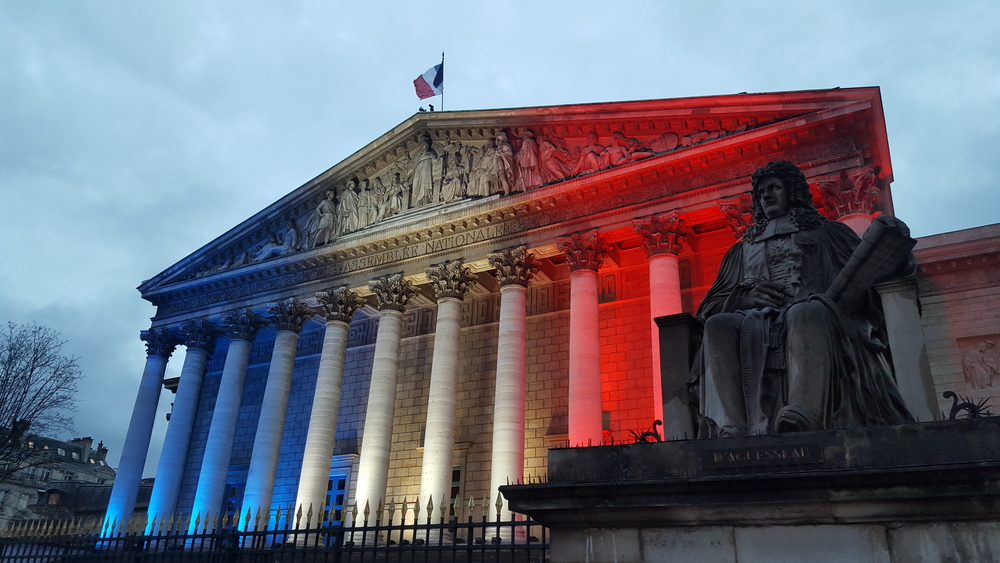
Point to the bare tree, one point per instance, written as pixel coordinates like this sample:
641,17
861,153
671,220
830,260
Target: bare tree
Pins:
37,388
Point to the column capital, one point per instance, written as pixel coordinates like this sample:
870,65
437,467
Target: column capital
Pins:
852,192
393,292
290,314
243,324
339,304
450,279
160,341
738,211
200,334
584,251
663,233
514,266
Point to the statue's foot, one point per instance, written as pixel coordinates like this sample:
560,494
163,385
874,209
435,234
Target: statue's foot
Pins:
792,419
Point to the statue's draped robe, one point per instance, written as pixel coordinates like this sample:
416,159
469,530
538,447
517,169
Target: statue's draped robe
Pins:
860,389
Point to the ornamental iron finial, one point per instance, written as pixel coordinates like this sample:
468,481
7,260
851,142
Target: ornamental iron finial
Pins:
160,341
243,324
339,304
663,233
200,334
584,251
393,292
290,314
450,279
514,266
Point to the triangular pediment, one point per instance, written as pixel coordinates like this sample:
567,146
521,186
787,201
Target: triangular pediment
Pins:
441,173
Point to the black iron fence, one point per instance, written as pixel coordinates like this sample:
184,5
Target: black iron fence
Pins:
392,533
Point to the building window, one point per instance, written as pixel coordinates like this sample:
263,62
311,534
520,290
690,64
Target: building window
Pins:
61,452
45,475
54,498
101,481
76,456
91,460
31,444
70,476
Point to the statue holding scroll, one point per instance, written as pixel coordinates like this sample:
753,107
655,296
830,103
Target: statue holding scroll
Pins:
794,338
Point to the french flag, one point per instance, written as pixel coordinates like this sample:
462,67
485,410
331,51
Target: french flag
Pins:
430,83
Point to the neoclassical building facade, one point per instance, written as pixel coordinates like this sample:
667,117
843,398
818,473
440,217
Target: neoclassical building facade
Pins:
429,316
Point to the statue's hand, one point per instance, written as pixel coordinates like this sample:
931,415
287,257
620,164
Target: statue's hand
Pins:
765,294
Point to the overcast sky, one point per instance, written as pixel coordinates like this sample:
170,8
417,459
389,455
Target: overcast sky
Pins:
131,134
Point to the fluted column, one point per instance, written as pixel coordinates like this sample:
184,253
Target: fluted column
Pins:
662,236
513,269
450,281
160,344
850,197
584,253
241,328
338,307
199,337
393,293
288,318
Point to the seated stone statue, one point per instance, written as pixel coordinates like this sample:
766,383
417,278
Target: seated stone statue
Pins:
778,354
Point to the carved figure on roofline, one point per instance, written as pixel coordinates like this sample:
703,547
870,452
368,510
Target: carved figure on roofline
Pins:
504,156
528,175
453,186
794,341
288,242
423,174
322,225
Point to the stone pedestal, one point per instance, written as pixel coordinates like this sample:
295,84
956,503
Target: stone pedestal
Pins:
917,492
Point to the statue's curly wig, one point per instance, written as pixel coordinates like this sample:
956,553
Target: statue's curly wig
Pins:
801,211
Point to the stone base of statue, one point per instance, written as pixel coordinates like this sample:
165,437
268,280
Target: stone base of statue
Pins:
916,492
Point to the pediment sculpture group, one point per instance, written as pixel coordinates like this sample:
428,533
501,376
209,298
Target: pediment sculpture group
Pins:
443,173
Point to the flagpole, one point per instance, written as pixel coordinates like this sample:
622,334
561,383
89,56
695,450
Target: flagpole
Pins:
442,81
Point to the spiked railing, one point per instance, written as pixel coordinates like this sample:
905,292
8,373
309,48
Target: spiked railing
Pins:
473,532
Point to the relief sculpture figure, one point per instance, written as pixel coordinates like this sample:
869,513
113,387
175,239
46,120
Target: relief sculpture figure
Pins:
504,164
528,175
482,177
780,353
423,175
453,186
554,160
590,159
346,211
322,225
981,365
277,246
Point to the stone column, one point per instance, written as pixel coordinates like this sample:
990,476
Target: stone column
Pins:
200,338
450,281
160,344
584,253
393,293
662,236
288,318
513,268
241,328
338,307
850,197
